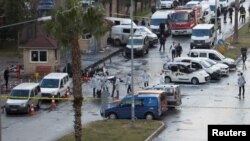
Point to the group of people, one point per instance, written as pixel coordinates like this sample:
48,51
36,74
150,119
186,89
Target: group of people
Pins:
230,10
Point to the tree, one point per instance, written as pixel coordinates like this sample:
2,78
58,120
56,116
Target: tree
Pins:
236,35
96,23
67,25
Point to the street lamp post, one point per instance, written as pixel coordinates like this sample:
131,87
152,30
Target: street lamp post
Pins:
132,67
216,20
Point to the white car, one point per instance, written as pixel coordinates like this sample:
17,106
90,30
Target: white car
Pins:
224,69
192,4
182,72
166,4
152,37
197,63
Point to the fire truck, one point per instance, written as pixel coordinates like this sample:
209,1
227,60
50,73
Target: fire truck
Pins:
183,19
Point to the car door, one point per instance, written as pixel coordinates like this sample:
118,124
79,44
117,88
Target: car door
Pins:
124,109
139,108
214,57
62,87
182,75
32,97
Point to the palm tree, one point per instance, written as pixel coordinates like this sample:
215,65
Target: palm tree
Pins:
67,25
96,23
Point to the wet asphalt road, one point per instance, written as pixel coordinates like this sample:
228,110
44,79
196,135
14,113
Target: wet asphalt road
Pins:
212,103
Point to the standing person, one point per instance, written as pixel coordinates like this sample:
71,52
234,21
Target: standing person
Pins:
162,79
162,42
94,84
113,86
128,83
99,87
178,50
105,70
145,78
242,14
173,50
225,15
162,28
6,77
230,11
143,23
241,84
117,86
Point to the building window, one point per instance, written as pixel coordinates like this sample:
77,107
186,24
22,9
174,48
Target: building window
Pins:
39,56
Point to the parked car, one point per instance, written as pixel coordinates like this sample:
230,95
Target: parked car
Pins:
197,63
140,45
182,72
21,98
55,84
173,93
152,37
224,69
147,106
166,4
214,55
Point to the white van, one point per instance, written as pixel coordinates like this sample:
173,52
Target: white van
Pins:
214,55
121,21
55,84
203,36
212,5
22,96
157,18
206,13
120,34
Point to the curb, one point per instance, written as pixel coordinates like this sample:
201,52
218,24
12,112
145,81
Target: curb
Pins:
156,132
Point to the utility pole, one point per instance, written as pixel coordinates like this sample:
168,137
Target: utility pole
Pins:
132,67
216,21
235,36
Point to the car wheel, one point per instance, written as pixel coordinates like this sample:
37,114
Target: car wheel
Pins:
149,116
117,42
112,116
28,109
167,79
195,81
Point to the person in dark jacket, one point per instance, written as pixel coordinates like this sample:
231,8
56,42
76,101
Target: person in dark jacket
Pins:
178,50
241,84
230,11
162,27
6,77
225,15
162,42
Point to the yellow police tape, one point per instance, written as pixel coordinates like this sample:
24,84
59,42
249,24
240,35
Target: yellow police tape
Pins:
119,14
48,98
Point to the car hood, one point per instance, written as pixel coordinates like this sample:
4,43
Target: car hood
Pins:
16,101
166,2
229,61
199,37
49,90
154,26
202,72
221,65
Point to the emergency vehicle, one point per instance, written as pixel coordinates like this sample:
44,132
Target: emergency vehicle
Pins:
183,19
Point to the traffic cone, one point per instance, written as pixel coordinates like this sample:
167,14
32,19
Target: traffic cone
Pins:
32,109
53,103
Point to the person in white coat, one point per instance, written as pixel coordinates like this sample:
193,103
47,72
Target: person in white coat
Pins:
162,79
145,78
117,87
99,88
93,83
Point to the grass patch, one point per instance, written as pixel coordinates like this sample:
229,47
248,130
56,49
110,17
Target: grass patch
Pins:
9,49
244,41
116,130
139,14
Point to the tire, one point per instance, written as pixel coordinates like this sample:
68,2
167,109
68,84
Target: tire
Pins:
167,79
112,116
28,109
117,42
149,116
194,81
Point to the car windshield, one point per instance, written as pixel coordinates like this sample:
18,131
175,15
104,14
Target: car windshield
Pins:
50,83
191,5
156,21
200,32
212,62
136,41
212,8
205,64
179,17
19,94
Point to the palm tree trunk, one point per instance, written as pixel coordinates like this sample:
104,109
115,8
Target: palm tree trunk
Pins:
77,89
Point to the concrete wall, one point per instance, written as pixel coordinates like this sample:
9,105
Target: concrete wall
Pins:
30,67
